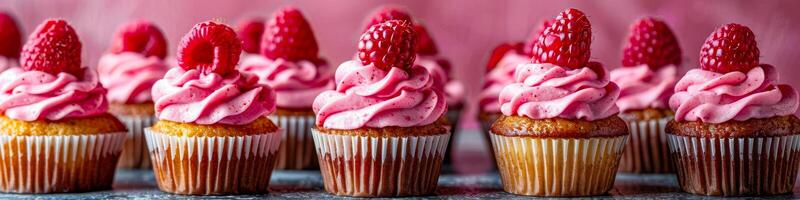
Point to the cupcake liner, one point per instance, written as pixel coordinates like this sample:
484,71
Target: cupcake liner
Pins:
134,151
213,165
58,163
297,144
647,150
558,167
364,166
453,116
736,166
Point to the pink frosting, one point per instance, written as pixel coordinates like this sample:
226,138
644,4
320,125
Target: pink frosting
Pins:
36,95
296,83
453,89
713,97
366,96
193,97
543,91
6,62
499,77
130,76
642,87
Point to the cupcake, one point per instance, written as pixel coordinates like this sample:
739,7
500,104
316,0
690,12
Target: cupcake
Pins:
10,42
57,135
290,64
646,81
381,131
559,134
735,132
128,70
250,30
212,136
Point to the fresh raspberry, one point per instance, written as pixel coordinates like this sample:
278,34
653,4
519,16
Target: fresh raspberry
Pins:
387,13
566,42
730,48
500,51
651,42
10,36
141,37
250,32
211,48
289,36
528,49
425,44
389,44
53,48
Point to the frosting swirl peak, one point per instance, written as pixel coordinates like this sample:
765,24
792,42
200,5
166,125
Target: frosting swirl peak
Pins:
499,77
642,87
36,95
130,76
295,83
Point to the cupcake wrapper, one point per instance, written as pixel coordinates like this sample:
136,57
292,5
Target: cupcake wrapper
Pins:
213,165
453,116
647,150
363,166
49,164
558,167
736,166
134,151
297,144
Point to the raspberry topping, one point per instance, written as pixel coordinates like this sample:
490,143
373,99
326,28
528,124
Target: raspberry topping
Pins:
11,38
387,13
500,51
651,42
389,44
250,32
566,42
528,49
53,48
211,48
142,37
425,44
730,48
289,36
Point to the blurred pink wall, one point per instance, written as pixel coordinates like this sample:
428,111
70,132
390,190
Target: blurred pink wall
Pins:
465,30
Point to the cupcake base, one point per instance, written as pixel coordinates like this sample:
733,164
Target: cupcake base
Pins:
216,165
134,151
647,150
297,144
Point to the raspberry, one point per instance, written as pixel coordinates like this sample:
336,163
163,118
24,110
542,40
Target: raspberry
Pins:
528,49
387,13
289,36
11,42
53,48
500,51
211,48
651,42
250,32
730,48
142,37
389,44
566,42
425,44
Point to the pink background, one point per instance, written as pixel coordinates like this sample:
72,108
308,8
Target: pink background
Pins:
465,30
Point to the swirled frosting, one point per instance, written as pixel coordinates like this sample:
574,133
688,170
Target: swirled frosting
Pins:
295,83
6,63
130,76
642,87
193,97
499,77
36,95
366,96
713,97
453,89
543,91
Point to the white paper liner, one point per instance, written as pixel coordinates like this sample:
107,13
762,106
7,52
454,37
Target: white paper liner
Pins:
297,144
362,166
213,165
557,167
134,151
49,164
736,166
647,150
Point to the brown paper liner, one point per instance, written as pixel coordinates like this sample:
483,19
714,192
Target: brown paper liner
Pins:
558,167
736,166
297,144
647,150
50,164
134,151
362,166
213,165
